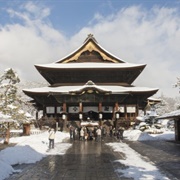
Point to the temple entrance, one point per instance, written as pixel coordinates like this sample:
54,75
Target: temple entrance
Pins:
91,115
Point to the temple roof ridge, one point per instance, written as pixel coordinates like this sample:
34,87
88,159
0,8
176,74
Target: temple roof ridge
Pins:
90,44
90,36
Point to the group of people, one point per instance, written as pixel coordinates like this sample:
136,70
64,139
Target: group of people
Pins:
117,133
97,133
87,133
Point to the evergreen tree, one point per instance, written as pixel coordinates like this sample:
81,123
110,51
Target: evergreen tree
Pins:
9,102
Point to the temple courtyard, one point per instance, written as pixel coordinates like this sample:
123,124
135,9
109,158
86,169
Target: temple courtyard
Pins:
144,157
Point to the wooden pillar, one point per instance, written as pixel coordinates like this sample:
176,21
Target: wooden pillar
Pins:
100,107
55,111
80,107
115,110
36,115
116,106
100,113
80,111
177,129
137,112
64,107
44,110
125,112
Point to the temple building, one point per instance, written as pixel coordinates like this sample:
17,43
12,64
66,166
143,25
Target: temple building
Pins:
92,85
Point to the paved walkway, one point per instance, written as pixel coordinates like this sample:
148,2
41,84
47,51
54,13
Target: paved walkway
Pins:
95,161
83,161
164,154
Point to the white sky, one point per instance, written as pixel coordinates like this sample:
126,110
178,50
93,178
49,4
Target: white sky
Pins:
36,145
134,33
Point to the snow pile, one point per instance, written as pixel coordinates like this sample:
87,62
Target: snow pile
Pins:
137,168
30,149
137,135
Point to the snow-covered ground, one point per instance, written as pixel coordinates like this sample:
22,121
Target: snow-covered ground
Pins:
138,168
30,149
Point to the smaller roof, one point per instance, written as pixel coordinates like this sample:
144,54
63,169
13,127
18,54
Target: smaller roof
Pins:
90,87
171,115
103,88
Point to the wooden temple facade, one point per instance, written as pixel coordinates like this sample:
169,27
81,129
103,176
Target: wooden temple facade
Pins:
91,84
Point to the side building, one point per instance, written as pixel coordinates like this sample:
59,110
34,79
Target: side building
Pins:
91,85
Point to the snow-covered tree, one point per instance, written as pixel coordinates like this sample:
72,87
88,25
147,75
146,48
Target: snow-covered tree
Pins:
166,105
10,104
177,84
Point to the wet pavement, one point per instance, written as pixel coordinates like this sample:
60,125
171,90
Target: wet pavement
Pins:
164,154
85,160
95,161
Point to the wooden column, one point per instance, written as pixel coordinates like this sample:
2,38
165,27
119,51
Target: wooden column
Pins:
44,110
116,106
125,111
137,110
64,107
177,129
100,111
80,107
36,115
100,107
115,109
80,111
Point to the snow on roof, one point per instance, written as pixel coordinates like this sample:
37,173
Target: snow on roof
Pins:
154,99
112,89
88,65
173,114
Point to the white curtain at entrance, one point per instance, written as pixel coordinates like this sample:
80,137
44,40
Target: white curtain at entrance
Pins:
90,108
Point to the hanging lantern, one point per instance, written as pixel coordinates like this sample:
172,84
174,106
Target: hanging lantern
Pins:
80,116
100,116
63,116
117,115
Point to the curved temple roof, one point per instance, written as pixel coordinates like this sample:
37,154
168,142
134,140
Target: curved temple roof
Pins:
85,62
76,89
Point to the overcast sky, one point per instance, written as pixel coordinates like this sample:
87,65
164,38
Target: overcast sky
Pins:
40,32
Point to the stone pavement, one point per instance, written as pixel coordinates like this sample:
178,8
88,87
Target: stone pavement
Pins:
95,161
85,160
164,154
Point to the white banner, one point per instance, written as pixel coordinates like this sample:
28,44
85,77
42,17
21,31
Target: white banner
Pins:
73,109
131,109
50,110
